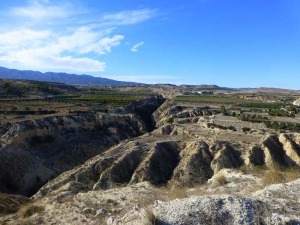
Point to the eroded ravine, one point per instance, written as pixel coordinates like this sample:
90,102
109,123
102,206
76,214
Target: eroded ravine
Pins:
175,153
36,151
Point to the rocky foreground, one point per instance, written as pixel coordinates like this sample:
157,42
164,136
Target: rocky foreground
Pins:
182,172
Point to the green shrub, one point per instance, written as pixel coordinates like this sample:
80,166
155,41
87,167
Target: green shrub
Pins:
169,120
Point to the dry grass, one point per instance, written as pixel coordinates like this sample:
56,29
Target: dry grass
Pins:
273,177
30,210
150,218
252,169
11,203
112,202
220,180
280,176
176,191
292,173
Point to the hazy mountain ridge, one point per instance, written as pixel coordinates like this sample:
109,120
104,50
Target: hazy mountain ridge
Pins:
66,78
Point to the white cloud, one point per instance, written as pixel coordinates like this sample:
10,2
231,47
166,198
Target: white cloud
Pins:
40,10
105,44
30,40
135,48
128,17
48,50
30,59
14,40
85,40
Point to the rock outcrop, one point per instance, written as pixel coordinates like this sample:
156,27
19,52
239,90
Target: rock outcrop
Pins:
211,210
171,110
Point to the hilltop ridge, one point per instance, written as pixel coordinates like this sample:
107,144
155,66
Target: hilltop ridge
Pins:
6,73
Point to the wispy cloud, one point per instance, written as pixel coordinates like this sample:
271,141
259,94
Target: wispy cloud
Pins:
135,48
128,17
37,44
38,9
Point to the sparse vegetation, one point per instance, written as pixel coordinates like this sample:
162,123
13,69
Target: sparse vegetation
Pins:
169,120
273,177
224,111
220,180
209,99
246,129
11,204
29,210
176,190
276,176
150,217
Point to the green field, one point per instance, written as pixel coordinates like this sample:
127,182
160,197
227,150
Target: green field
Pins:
105,98
238,102
209,99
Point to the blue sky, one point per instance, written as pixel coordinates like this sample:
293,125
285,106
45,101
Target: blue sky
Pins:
233,43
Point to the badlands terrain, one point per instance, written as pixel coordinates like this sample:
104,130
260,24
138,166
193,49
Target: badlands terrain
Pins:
153,154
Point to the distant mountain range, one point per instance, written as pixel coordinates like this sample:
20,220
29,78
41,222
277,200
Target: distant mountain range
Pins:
66,78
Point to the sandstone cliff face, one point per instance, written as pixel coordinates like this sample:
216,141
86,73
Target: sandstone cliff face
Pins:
33,152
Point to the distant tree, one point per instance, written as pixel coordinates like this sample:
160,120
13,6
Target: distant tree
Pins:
282,126
6,85
169,120
243,117
8,89
224,110
43,87
274,125
267,123
245,129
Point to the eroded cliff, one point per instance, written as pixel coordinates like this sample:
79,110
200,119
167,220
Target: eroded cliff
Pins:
35,151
